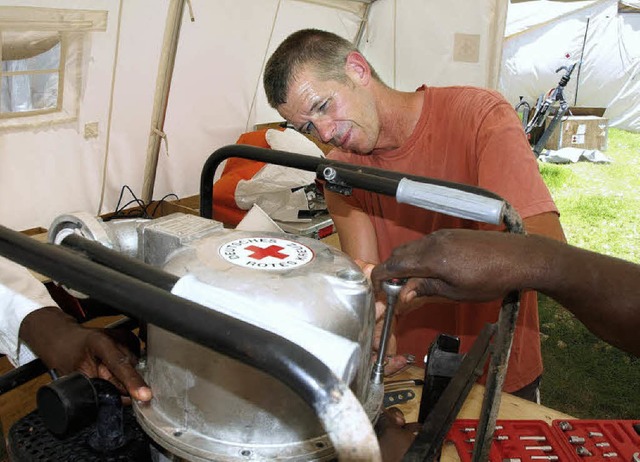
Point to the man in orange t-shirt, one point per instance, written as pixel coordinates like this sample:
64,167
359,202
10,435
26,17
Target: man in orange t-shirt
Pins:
322,85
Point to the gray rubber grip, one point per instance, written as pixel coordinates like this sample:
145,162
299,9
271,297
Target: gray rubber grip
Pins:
450,201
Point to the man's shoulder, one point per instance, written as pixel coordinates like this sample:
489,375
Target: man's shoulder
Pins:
467,92
467,104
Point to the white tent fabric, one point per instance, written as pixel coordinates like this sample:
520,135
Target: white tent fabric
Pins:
216,91
543,35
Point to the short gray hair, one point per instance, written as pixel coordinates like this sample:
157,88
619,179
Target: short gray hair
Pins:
326,51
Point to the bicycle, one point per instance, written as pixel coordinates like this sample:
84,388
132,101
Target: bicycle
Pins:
552,102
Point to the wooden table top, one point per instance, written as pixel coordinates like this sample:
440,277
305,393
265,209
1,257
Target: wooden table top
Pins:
511,407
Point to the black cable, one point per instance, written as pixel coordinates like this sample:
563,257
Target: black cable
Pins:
135,199
143,212
123,212
164,198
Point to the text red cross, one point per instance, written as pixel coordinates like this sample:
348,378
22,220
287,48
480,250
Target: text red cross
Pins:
272,251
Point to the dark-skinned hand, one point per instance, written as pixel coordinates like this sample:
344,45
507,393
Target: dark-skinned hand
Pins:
457,264
66,346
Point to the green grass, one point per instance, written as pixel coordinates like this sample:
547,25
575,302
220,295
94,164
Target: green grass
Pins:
600,210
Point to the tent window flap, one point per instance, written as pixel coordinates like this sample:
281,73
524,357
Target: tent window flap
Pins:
41,55
30,77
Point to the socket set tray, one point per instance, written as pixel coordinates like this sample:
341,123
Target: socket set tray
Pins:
564,440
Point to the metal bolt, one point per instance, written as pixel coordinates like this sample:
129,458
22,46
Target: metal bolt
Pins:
392,287
576,440
604,444
497,438
550,457
538,448
565,426
582,451
595,434
610,454
473,429
329,173
533,438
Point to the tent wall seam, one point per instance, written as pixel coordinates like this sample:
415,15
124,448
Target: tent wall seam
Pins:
109,119
364,22
264,60
497,39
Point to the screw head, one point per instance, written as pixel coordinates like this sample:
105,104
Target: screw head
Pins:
393,286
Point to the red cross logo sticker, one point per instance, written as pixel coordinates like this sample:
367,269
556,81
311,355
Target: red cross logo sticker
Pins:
254,252
261,252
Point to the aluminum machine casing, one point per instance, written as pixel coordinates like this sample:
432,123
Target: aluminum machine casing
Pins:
208,406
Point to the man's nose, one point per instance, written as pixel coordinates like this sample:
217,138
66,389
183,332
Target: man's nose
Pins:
325,129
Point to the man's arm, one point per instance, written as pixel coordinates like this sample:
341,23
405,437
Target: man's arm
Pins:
358,240
545,224
357,236
20,294
603,292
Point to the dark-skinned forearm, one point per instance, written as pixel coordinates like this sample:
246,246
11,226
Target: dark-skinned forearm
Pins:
40,328
602,292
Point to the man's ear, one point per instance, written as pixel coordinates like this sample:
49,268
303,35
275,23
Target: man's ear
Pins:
357,68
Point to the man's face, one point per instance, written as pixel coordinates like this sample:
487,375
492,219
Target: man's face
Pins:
342,114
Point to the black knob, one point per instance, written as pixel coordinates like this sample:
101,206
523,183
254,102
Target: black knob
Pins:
68,404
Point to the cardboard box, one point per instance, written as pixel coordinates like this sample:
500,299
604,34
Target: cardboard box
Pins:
584,111
579,131
189,205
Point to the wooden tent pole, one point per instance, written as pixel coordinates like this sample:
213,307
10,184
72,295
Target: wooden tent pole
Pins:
163,84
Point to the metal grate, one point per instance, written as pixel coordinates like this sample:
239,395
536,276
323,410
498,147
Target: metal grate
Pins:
30,441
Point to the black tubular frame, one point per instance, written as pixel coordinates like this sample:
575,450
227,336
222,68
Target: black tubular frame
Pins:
306,375
21,375
313,164
114,260
344,176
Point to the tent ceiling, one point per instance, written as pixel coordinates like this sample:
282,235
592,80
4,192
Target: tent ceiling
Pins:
524,1
351,6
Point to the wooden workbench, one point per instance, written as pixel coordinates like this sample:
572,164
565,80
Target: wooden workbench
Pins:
511,408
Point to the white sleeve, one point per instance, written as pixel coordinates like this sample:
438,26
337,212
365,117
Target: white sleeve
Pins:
20,294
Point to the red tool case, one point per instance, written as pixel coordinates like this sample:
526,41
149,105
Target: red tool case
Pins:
563,440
